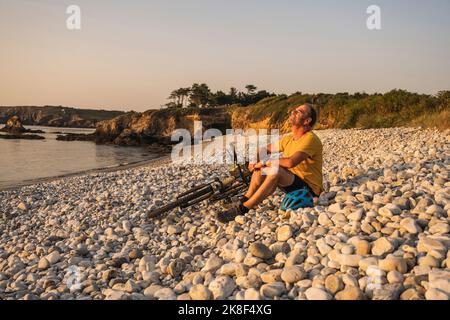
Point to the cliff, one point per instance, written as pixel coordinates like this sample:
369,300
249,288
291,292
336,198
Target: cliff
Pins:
57,116
156,126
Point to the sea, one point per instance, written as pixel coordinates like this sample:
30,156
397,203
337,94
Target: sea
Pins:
22,161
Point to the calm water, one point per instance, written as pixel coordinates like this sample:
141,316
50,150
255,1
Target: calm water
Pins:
22,160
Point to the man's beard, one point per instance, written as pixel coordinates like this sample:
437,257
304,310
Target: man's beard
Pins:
298,123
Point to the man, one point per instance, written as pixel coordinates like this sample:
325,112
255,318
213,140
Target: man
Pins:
300,167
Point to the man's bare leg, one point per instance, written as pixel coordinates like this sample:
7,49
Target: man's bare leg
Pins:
256,181
282,178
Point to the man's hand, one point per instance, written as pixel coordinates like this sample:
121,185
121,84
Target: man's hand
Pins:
256,166
272,163
259,165
271,148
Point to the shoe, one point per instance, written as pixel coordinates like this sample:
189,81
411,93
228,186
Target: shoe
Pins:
242,198
229,214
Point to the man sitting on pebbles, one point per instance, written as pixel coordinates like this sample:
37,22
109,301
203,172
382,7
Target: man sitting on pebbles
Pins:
300,167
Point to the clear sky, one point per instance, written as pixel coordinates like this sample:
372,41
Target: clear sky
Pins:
132,54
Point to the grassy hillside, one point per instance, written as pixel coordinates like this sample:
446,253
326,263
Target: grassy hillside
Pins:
360,110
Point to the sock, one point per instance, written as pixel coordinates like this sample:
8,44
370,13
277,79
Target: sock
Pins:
243,208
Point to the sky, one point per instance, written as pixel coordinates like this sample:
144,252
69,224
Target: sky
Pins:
129,55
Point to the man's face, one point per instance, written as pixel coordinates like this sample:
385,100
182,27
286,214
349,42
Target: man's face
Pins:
300,116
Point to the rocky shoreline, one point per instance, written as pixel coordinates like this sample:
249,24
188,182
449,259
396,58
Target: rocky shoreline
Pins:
75,137
380,231
21,137
57,116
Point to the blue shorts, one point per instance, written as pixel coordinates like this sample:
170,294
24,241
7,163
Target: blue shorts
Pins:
297,184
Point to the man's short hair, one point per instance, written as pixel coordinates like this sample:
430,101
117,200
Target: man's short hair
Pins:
312,114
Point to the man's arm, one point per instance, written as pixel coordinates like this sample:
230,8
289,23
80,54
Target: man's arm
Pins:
290,162
269,149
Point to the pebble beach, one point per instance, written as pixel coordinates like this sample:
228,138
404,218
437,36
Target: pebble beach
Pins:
380,231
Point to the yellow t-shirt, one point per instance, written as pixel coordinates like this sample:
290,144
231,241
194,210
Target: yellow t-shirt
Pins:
309,170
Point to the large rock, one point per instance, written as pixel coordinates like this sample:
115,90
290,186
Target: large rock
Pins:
333,283
349,260
375,186
151,290
294,258
252,294
272,290
147,264
410,225
228,269
14,125
411,294
335,208
440,280
317,294
387,292
284,233
292,274
392,263
171,230
43,264
440,228
271,276
362,246
200,292
382,246
389,210
53,257
395,277
132,286
324,219
350,293
175,268
16,130
165,294
222,287
213,264
436,294
427,244
323,247
259,250
365,263
114,294
22,206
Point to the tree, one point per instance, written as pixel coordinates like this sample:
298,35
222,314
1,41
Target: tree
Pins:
183,94
220,98
233,95
172,105
178,97
200,95
174,97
